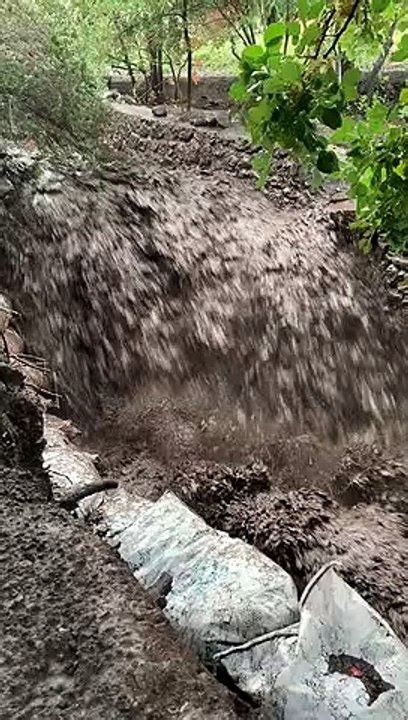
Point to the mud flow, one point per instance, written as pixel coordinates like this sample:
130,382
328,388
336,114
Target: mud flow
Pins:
225,343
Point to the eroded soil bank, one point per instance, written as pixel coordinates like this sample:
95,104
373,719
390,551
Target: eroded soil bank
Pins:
79,636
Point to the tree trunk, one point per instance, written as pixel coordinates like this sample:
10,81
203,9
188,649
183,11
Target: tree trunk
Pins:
160,81
155,75
370,81
187,41
175,78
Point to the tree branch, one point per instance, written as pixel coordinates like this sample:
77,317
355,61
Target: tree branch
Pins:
343,28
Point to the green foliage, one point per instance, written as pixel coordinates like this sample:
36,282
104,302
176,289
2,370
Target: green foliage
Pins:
217,57
289,102
376,170
292,93
52,67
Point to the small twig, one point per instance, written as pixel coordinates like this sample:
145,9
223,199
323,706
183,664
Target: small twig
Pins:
43,390
343,28
11,118
49,469
291,631
8,310
32,357
28,364
323,36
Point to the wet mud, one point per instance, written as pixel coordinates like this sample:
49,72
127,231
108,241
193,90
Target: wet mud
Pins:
79,636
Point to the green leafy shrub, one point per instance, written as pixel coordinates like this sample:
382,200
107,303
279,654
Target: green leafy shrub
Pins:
290,103
376,170
51,68
292,93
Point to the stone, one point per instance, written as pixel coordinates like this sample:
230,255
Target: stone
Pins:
159,111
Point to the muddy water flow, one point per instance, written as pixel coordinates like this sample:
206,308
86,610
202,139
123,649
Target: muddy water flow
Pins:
214,342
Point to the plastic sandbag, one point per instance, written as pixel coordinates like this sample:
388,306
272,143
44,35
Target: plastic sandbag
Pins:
215,590
348,662
69,468
340,662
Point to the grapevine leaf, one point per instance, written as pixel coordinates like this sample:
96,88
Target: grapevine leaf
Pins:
238,91
261,164
274,32
310,35
376,117
346,133
293,29
290,71
402,52
316,8
254,56
303,7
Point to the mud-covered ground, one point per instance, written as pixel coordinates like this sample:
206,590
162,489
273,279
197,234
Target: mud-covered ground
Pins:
80,639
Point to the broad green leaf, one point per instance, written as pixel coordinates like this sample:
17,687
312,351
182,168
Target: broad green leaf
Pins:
403,98
316,8
273,84
254,56
238,91
376,117
310,35
379,5
303,8
260,112
400,55
331,117
274,32
402,51
366,244
293,28
327,162
350,82
262,166
346,132
290,71
273,63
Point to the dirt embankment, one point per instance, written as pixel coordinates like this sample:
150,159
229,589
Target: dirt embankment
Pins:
79,637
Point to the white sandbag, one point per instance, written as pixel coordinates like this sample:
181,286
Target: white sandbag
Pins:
69,469
340,638
217,591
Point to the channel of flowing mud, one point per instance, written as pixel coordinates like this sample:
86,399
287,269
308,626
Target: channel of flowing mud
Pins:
213,341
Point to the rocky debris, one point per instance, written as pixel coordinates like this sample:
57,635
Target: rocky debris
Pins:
367,473
171,145
209,119
211,488
159,111
395,273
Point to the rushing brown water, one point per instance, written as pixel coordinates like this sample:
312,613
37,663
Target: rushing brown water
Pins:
196,327
127,281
